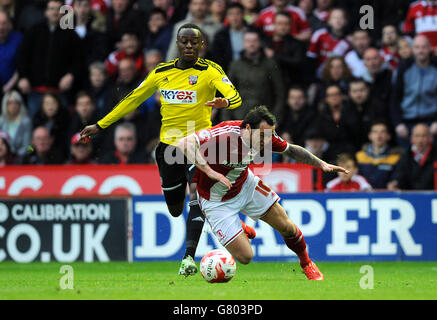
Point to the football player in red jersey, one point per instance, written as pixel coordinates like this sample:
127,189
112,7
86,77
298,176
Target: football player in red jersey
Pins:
226,186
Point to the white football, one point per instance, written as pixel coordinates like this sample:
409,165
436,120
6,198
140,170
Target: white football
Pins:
218,266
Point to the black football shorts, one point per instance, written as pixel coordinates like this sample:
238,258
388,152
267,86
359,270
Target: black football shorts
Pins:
174,176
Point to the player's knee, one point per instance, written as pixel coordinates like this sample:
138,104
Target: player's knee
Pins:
175,210
245,258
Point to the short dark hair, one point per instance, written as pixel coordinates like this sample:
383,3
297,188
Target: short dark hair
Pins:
189,26
158,10
358,29
378,122
357,80
333,85
257,115
234,5
283,13
344,157
131,32
255,30
84,93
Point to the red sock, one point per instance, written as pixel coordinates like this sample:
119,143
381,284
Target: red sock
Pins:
297,244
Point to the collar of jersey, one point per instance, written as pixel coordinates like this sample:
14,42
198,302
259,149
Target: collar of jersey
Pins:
175,60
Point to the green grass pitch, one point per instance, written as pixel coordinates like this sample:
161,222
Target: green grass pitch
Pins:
258,280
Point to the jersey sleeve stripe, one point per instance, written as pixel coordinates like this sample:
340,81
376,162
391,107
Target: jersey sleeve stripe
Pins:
165,68
234,99
127,96
235,102
210,63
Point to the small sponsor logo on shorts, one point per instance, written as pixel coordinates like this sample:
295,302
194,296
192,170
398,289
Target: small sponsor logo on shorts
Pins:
220,235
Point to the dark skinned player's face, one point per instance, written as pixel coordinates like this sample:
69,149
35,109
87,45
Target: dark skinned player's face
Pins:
189,43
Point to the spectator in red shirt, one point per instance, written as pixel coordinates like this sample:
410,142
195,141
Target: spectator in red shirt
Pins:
422,19
100,6
351,181
131,49
330,41
317,17
300,28
389,49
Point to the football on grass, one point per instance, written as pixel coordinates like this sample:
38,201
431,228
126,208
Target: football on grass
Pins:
217,266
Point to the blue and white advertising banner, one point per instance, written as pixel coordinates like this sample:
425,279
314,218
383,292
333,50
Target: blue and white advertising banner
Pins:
337,227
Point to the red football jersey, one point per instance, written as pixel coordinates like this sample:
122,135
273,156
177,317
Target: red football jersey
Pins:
266,19
356,183
422,19
115,57
392,59
227,153
324,45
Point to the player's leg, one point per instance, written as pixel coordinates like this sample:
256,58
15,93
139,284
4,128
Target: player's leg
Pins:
174,187
227,227
173,181
240,249
294,239
195,222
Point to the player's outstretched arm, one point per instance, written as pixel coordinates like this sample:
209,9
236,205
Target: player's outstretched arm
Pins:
302,155
191,150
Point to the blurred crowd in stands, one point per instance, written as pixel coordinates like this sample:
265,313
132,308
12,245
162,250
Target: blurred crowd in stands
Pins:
353,89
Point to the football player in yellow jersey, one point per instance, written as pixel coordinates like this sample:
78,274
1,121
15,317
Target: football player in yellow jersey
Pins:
188,87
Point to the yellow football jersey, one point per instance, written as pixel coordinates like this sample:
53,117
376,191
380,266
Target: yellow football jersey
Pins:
184,93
